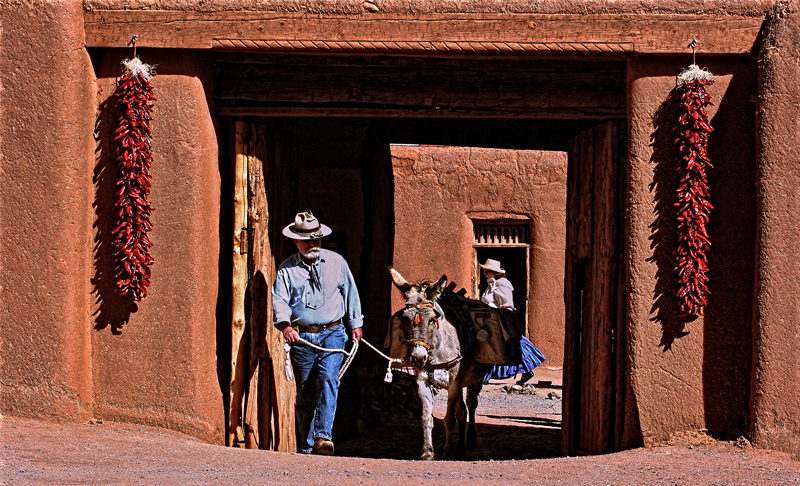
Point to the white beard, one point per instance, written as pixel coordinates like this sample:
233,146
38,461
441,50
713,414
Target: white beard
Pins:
311,254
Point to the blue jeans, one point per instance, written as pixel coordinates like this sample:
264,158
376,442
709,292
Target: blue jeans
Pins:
316,375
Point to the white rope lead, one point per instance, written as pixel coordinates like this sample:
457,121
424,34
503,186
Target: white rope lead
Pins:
350,355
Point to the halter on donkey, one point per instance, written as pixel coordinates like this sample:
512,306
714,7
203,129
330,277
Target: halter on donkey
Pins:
435,353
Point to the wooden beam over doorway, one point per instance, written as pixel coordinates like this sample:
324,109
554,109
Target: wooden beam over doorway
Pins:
572,90
442,34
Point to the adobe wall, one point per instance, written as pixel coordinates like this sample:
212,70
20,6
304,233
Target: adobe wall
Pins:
417,7
689,375
156,362
46,120
775,411
438,189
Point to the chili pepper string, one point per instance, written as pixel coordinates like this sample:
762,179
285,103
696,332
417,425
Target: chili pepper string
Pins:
693,205
134,157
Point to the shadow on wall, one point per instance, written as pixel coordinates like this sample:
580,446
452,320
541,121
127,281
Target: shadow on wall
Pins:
663,240
727,325
112,310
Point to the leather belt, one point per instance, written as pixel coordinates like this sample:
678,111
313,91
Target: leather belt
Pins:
318,327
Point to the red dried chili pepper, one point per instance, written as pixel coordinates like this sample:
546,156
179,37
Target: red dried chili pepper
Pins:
134,158
693,205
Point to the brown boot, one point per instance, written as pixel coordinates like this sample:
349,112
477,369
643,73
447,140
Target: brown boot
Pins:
323,447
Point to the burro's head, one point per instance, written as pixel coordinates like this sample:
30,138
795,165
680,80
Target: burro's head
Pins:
421,315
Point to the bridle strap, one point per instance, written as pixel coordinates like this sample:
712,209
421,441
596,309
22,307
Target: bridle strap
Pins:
415,342
448,365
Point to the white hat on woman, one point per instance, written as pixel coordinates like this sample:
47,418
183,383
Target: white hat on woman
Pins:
492,266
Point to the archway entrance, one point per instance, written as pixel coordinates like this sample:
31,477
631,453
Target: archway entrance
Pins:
352,186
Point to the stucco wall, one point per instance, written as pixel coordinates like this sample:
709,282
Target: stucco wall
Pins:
775,412
156,362
437,191
690,374
46,121
416,7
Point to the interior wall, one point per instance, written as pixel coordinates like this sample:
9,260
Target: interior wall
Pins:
689,374
437,191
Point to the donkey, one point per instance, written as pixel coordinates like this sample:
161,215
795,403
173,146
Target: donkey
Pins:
435,353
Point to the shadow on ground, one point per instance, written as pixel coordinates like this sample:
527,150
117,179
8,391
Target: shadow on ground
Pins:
401,438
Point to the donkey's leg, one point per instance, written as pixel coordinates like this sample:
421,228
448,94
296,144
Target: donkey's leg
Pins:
426,399
455,411
472,403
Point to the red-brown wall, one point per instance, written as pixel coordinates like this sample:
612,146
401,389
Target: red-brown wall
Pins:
775,385
155,362
46,149
690,374
437,192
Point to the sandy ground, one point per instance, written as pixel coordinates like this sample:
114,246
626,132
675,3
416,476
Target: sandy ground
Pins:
518,443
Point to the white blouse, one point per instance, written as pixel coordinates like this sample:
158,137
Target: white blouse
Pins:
499,293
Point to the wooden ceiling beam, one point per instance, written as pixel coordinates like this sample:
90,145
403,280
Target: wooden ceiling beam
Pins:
449,34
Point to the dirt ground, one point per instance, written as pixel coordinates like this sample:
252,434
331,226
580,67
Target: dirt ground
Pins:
518,442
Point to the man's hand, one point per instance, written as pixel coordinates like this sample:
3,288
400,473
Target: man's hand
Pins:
290,335
357,334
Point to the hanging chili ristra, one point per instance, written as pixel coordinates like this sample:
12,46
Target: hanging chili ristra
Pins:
134,158
693,206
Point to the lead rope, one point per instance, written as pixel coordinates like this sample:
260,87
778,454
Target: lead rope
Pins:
350,355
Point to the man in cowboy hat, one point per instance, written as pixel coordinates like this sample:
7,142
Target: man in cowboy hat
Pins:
313,297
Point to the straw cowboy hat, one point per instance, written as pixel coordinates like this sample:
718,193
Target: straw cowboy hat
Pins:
492,266
306,227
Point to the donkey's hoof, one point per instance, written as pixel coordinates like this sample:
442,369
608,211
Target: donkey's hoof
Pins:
427,456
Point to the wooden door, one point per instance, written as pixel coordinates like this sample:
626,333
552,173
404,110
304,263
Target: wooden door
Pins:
593,365
267,407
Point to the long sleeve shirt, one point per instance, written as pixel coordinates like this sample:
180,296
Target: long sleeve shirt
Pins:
296,300
499,293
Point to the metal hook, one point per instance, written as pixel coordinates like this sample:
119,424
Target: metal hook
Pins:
693,44
133,41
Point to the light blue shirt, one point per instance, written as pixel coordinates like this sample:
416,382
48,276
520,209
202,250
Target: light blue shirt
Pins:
295,300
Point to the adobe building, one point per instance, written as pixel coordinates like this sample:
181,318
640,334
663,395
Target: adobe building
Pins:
429,135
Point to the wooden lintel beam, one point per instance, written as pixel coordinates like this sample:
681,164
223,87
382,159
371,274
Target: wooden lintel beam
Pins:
305,111
451,34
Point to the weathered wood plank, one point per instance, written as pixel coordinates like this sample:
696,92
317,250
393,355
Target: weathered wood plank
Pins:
239,362
570,412
584,216
312,111
276,395
428,89
451,34
603,293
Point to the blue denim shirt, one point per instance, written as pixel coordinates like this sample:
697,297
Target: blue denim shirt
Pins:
294,299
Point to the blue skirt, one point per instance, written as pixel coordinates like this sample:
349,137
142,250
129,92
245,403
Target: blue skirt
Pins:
531,358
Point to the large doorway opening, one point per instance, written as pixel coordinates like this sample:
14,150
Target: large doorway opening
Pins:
334,158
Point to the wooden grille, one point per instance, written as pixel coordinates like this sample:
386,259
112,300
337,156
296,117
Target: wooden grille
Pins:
499,234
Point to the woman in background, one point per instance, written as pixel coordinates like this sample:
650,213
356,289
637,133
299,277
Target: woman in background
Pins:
499,293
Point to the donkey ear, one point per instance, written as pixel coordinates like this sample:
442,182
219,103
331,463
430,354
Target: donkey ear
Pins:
435,290
398,280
